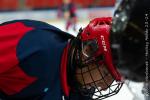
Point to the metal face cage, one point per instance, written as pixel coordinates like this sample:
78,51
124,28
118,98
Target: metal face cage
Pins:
94,79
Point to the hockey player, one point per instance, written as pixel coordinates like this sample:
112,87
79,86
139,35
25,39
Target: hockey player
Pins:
40,62
68,11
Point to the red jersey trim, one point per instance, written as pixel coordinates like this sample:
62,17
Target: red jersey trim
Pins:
63,73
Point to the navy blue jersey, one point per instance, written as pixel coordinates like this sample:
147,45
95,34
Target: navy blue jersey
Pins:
30,58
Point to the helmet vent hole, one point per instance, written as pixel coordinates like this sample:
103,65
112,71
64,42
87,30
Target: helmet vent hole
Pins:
88,33
107,23
101,23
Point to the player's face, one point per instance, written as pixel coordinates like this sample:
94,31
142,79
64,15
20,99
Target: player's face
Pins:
92,75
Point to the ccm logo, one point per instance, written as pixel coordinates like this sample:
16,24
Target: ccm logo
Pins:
103,43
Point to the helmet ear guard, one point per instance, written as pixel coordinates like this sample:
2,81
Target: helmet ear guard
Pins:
96,76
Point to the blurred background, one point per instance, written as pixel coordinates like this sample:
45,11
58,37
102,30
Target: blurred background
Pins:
86,10
47,10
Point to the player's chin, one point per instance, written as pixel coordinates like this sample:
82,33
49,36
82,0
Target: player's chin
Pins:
87,81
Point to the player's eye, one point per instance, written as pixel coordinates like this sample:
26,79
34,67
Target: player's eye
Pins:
89,48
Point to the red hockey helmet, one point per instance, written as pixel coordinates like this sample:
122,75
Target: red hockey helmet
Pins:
95,72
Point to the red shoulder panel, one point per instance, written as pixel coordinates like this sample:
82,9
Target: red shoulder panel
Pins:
12,78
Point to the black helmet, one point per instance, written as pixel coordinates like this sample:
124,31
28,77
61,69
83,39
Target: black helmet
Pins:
128,38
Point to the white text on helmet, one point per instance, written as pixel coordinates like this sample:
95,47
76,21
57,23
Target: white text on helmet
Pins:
103,43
